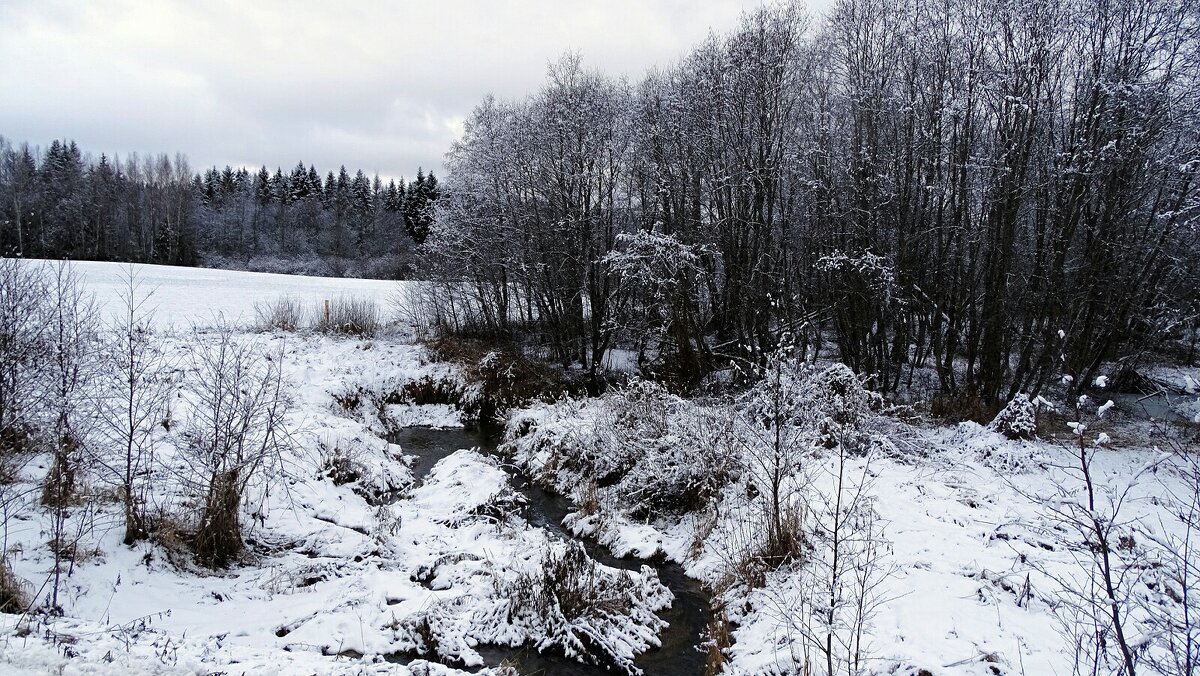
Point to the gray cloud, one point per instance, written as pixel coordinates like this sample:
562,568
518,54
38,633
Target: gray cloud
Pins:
381,86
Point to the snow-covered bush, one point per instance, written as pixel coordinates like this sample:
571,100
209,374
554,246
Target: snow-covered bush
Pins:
374,475
558,599
502,377
650,453
1017,420
579,607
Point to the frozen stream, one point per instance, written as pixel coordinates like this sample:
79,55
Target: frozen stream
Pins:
687,616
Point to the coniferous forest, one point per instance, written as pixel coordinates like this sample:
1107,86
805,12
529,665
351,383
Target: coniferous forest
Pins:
62,203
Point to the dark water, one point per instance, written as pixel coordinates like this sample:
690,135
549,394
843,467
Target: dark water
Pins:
1156,405
687,616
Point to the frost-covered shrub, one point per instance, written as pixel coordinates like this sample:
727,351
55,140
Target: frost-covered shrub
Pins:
577,603
285,313
561,600
649,452
1017,420
371,474
568,585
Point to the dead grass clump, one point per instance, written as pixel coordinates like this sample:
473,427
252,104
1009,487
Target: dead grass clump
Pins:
218,541
14,440
570,585
754,549
340,468
14,592
509,379
285,313
170,533
349,316
427,390
589,499
349,401
59,489
717,642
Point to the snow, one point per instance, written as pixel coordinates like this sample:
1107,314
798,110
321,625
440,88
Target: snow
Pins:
340,576
974,560
186,296
330,569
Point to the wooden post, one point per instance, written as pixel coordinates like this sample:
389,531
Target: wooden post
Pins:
326,312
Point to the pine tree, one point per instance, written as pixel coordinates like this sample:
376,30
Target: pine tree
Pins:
418,206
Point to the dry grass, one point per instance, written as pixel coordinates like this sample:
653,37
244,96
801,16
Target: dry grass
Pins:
589,499
285,313
349,316
572,585
14,592
719,640
218,542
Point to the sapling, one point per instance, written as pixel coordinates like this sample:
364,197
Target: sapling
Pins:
132,403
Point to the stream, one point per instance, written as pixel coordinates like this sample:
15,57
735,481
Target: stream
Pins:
687,617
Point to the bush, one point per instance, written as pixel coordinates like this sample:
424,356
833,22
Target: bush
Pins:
508,379
1018,420
235,432
570,583
285,313
24,315
349,316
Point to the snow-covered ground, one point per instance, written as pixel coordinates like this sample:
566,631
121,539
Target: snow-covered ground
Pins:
186,296
975,568
338,576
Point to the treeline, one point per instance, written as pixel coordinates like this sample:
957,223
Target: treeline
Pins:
991,196
61,204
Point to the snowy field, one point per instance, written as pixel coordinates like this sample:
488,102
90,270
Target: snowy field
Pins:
186,296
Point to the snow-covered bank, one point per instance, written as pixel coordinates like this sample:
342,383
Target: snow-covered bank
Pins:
971,566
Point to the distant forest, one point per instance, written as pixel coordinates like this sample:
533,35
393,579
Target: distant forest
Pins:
970,199
61,204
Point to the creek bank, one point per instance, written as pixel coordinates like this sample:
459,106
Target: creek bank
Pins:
687,617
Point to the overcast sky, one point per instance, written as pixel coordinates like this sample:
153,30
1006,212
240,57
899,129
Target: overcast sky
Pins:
378,86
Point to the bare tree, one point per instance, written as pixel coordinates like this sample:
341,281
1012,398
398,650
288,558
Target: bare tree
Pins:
22,329
236,429
775,436
131,402
71,340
